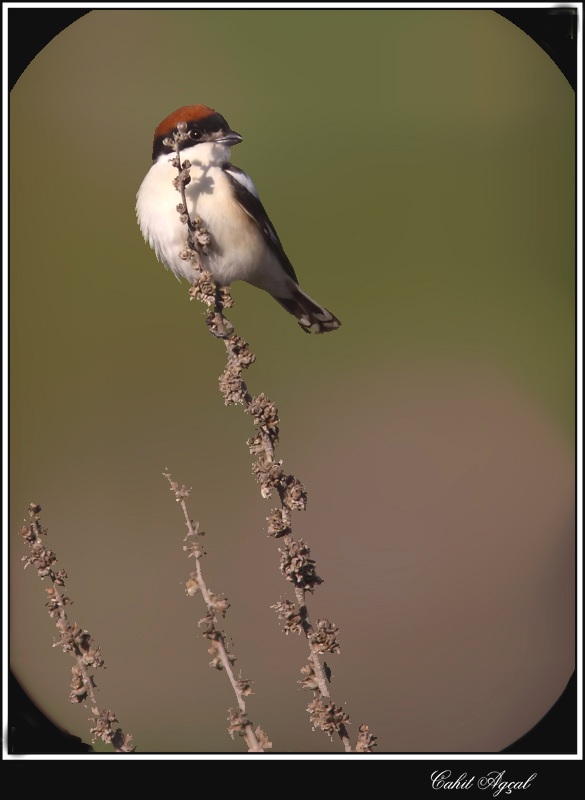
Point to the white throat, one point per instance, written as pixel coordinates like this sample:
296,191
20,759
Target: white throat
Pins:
205,154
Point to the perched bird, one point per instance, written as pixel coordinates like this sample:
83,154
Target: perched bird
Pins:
243,243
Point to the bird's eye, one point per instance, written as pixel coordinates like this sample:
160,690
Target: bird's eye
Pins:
195,134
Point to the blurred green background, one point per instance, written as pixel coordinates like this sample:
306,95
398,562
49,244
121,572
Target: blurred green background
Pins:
419,169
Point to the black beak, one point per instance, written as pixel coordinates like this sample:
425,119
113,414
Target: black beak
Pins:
230,138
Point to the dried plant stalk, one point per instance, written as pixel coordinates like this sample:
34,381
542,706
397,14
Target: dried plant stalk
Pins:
296,563
222,658
73,639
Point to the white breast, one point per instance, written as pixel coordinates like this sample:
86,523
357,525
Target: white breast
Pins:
237,249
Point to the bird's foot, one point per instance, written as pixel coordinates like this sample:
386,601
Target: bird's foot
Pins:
218,325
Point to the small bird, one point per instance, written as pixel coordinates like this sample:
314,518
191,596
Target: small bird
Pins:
243,243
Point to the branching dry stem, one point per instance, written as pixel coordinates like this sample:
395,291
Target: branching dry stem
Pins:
296,563
72,638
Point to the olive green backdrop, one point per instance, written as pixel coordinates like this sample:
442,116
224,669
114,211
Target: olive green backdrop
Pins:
419,168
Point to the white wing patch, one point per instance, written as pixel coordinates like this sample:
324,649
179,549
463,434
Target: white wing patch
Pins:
245,180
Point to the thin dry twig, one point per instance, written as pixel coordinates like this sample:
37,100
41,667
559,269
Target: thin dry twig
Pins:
73,639
222,658
296,563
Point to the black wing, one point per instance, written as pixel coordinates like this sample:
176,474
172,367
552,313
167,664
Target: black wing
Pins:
248,200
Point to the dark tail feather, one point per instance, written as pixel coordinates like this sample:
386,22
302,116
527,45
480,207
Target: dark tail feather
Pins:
312,317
